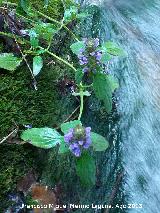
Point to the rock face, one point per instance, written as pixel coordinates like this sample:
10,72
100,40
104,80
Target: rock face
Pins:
20,104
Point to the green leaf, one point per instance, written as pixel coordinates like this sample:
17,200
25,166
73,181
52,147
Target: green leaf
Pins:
65,127
79,75
105,57
37,65
70,14
24,8
24,5
86,93
104,85
77,47
112,49
9,62
113,83
86,170
63,149
1,2
42,137
99,143
45,30
82,15
33,38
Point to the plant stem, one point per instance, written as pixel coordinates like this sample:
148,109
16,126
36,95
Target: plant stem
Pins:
19,40
59,23
5,138
24,58
50,53
9,3
60,59
82,101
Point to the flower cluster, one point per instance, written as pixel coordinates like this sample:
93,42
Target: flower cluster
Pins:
90,57
78,139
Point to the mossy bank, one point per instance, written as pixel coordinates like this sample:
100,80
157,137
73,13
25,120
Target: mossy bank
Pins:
20,104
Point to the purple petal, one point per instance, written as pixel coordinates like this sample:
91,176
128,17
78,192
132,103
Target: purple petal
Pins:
81,142
98,55
81,51
96,42
68,137
86,69
77,153
87,143
88,130
75,149
83,60
85,40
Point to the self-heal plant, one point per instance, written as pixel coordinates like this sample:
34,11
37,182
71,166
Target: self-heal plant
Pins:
78,139
89,56
72,138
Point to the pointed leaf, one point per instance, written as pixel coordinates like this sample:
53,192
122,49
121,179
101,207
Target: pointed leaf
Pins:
63,149
42,137
65,127
104,85
83,15
77,47
113,49
106,57
9,62
99,143
37,65
70,14
86,169
79,75
33,38
45,30
25,5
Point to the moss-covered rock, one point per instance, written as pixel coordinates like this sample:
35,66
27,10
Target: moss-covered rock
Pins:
54,9
15,162
20,104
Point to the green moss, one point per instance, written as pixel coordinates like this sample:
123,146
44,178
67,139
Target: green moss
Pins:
21,104
54,9
15,163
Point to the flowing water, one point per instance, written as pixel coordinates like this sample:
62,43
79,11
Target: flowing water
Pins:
135,25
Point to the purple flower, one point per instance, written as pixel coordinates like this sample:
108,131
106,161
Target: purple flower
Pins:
87,143
83,60
85,40
81,51
75,149
85,70
96,42
98,55
88,131
78,138
88,140
81,142
68,137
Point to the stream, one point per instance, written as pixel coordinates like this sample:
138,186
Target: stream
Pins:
135,26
